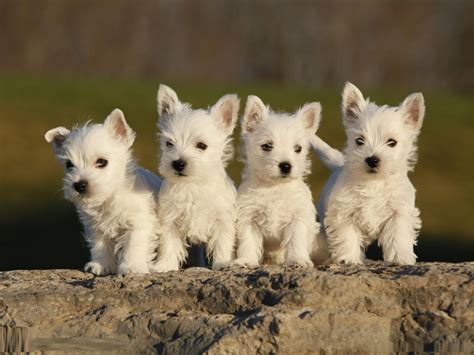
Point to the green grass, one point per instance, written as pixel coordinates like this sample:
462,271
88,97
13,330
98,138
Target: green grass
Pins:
31,178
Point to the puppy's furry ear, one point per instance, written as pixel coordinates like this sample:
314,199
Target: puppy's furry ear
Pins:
255,113
353,103
118,127
310,115
167,101
413,110
225,112
57,136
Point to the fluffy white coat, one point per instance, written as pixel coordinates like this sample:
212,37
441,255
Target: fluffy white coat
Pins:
369,195
116,203
197,199
276,217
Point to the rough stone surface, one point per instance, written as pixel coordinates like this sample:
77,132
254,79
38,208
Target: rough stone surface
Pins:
270,309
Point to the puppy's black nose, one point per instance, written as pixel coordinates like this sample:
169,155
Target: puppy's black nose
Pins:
285,167
80,186
178,165
372,161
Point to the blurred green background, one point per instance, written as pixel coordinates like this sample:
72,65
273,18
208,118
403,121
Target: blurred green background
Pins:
57,69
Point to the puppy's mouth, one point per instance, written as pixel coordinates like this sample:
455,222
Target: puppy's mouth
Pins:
76,197
179,173
285,176
372,170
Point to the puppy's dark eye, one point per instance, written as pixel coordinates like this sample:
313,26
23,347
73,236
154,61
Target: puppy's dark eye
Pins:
69,165
201,146
169,144
101,163
298,148
360,141
392,142
267,147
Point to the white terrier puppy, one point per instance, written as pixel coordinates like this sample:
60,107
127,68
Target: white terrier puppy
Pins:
197,199
369,196
114,198
276,218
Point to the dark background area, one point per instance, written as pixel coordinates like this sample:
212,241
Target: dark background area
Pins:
65,62
426,43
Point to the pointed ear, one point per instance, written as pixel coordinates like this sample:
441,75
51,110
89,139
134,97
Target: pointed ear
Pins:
353,103
310,114
255,113
413,110
167,100
57,136
225,112
118,127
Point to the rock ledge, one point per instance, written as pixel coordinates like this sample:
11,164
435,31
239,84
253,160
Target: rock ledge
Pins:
269,309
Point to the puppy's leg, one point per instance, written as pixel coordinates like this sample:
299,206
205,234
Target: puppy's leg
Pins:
171,251
221,245
297,244
102,256
399,237
250,245
345,244
137,252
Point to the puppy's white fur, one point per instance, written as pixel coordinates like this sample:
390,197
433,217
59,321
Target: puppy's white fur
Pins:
117,209
197,204
276,218
361,204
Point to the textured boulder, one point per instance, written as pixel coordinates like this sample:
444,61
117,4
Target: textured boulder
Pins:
270,309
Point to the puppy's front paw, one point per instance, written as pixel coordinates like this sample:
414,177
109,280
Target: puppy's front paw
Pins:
221,265
350,261
300,262
96,268
126,268
400,261
244,263
163,267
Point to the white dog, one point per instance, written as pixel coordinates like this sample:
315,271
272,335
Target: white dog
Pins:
369,196
197,199
276,218
114,198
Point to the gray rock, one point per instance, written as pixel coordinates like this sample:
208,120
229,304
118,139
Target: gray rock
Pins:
270,309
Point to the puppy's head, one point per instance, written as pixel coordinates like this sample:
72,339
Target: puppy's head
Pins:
95,157
381,140
276,144
194,144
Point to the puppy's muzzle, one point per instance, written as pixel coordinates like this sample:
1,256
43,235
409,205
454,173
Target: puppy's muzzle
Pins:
372,162
80,186
178,165
285,168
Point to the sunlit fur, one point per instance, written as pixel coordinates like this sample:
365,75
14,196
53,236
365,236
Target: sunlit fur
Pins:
118,209
361,204
276,218
198,205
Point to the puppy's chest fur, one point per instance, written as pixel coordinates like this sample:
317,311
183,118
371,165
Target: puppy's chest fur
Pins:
195,209
105,222
367,206
274,208
115,220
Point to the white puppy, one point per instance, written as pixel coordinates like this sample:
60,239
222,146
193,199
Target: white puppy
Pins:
369,196
197,199
114,198
276,218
